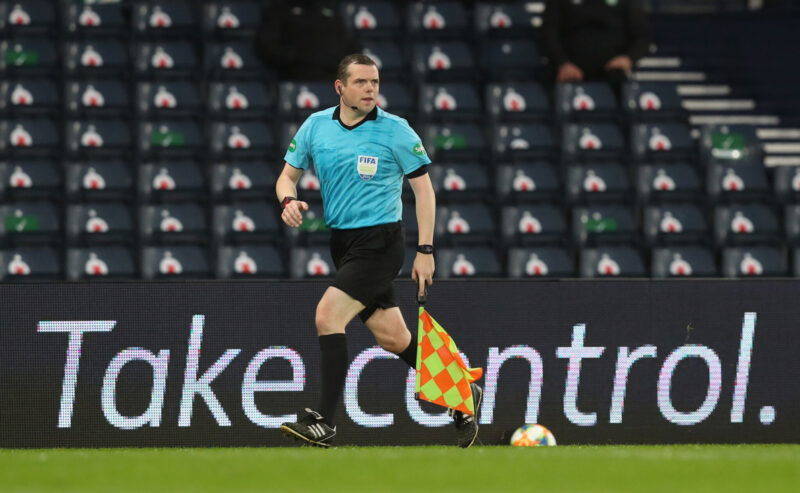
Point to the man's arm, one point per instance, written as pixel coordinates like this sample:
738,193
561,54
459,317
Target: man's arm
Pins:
286,186
425,199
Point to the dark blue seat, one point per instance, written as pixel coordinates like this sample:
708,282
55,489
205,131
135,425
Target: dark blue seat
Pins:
169,99
730,145
450,102
467,262
620,261
100,223
540,262
598,182
96,57
247,222
30,222
172,180
26,56
166,59
517,101
652,101
534,224
297,100
311,263
746,224
240,139
314,231
29,179
585,101
388,56
441,19
598,224
454,142
164,18
97,137
29,97
465,224
29,137
683,261
755,261
250,261
173,223
96,19
233,60
592,141
524,182
791,218
675,223
516,18
372,18
240,99
669,181
460,181
738,182
786,183
242,180
171,137
510,59
396,98
174,262
27,17
30,264
100,180
101,262
666,141
523,141
443,61
232,18
98,98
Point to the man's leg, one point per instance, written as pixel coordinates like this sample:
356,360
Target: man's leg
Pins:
335,310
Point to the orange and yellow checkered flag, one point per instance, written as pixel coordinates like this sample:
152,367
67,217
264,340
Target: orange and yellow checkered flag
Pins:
442,376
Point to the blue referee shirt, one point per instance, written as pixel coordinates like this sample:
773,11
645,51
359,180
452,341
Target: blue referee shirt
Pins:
360,168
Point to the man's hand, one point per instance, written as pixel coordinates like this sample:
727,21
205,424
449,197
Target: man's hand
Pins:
621,62
422,272
292,214
569,72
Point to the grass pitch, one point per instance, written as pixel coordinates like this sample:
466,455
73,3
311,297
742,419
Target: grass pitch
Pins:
434,469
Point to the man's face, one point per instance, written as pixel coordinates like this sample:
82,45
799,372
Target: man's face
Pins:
362,86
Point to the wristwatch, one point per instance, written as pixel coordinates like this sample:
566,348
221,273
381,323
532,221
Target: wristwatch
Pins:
286,201
426,249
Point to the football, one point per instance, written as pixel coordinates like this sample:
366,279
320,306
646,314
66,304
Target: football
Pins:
532,436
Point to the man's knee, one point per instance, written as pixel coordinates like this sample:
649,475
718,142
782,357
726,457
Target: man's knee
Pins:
326,322
394,343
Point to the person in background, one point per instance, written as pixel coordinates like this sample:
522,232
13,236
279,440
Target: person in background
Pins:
304,40
595,39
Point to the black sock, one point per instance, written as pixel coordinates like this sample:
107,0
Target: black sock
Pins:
333,366
409,354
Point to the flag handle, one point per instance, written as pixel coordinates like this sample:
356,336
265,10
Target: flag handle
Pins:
422,298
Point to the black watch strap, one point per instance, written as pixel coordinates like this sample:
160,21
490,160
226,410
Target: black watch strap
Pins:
286,201
426,249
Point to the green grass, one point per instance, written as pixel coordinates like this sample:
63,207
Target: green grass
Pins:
435,469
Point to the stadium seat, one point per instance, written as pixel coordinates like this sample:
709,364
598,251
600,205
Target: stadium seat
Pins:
746,224
666,141
247,222
668,182
450,102
243,180
98,98
459,182
516,18
388,56
372,18
248,261
30,222
233,60
297,100
787,183
170,137
396,98
465,224
791,219
26,56
27,17
440,19
100,222
446,61
240,100
510,59
94,19
29,137
93,138
173,223
796,262
96,57
164,18
517,101
675,223
232,18
756,261
585,101
410,226
523,141
103,262
619,261
166,59
100,180
737,182
534,224
653,101
29,264
308,263
603,224
29,97
454,142
525,182
686,261
240,139
29,179
730,145
540,262
597,182
591,141
172,180
313,230
467,262
174,262
169,99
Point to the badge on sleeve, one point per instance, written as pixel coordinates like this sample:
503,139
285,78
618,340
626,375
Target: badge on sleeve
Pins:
367,167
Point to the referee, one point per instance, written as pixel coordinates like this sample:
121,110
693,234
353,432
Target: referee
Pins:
361,154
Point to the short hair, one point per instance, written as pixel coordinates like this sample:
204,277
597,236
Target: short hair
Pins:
343,71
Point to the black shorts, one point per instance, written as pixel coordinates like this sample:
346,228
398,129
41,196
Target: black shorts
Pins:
367,261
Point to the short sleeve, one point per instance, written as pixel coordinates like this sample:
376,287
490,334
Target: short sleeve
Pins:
298,153
408,149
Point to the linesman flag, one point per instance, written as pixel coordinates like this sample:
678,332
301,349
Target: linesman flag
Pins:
442,376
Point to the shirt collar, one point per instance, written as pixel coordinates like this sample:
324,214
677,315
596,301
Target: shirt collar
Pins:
372,115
